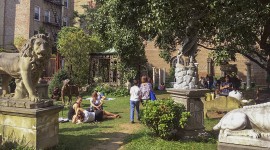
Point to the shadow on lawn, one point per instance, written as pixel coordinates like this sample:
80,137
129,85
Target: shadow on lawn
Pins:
86,141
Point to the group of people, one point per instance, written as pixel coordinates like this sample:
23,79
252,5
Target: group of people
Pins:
139,93
95,112
222,86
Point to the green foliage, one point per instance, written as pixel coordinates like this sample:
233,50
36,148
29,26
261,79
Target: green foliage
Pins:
164,117
105,88
166,55
19,42
104,21
18,144
113,91
120,92
76,45
57,79
125,24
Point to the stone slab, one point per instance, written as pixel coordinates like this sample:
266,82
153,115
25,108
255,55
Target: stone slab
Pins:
226,146
38,128
191,93
244,140
21,103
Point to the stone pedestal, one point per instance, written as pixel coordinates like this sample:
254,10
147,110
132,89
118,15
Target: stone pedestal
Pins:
226,146
37,128
191,99
42,90
244,141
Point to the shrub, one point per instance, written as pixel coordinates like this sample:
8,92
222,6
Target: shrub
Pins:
120,91
104,88
164,117
57,80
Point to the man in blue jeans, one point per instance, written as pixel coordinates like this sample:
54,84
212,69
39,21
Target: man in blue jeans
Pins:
135,96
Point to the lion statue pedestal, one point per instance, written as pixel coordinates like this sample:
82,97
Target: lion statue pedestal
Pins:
247,127
27,118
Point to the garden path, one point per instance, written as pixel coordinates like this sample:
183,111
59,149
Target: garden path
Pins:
116,140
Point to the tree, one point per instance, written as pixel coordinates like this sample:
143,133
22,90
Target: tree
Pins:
126,41
75,45
230,27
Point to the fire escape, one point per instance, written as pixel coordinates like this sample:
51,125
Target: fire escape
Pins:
53,24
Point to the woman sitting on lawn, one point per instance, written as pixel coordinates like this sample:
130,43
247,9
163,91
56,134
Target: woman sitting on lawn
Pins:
97,101
86,116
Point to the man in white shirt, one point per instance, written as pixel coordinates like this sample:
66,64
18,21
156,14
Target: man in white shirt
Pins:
135,96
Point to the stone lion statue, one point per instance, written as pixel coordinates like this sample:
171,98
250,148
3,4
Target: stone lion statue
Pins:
252,121
26,67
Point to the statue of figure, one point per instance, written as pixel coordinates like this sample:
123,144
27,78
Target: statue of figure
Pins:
250,121
189,46
26,67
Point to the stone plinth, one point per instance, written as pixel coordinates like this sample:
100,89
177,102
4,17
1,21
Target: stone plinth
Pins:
226,146
22,103
42,90
259,143
191,99
36,128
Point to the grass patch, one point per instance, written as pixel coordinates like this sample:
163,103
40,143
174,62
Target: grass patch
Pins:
85,136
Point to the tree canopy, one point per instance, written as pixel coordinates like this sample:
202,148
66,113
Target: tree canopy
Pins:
226,27
76,45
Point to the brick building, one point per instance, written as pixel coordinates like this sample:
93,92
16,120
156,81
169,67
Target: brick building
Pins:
25,18
205,65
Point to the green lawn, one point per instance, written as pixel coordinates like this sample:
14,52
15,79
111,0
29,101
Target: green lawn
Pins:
84,136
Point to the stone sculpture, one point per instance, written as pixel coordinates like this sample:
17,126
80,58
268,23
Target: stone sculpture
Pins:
248,123
68,90
189,47
26,67
186,71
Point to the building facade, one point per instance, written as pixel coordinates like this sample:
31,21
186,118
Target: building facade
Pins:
25,18
205,65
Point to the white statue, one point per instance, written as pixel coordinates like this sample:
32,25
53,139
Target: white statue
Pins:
252,121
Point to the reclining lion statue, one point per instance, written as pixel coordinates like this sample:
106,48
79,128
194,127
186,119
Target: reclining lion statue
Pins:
250,121
26,67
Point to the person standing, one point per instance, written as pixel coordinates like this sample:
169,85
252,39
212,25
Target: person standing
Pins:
145,89
135,96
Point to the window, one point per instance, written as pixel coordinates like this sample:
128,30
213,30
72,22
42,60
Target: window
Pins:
37,13
65,21
66,3
47,17
35,32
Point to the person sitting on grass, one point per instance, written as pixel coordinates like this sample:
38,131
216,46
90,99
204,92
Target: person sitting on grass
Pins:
77,105
84,116
97,101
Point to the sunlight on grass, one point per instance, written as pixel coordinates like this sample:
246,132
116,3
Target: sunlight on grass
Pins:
84,136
